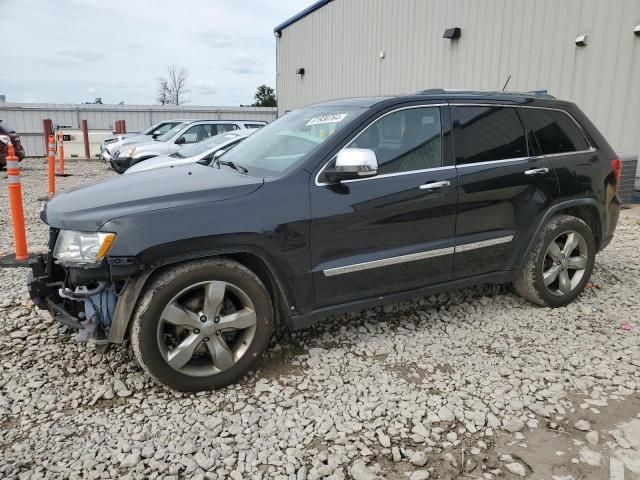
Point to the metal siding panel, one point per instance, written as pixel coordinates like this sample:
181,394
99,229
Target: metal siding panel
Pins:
532,41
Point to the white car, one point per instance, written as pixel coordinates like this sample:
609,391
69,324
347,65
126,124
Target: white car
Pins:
115,143
178,138
202,152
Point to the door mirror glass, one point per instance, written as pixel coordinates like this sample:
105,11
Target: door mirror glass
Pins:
353,163
181,140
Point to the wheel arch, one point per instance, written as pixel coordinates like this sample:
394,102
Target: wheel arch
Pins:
586,209
252,257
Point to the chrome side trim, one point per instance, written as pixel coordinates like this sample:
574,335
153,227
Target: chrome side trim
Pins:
412,257
385,262
483,243
564,154
396,174
322,184
491,162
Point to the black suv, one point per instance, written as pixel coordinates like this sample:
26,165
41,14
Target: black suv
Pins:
334,207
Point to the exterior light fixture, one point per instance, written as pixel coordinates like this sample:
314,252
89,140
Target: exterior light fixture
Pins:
636,30
452,33
300,71
582,40
277,34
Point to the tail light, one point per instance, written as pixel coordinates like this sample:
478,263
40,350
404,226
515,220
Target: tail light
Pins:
616,164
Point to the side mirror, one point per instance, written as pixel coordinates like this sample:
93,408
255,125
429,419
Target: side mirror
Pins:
353,163
180,140
218,154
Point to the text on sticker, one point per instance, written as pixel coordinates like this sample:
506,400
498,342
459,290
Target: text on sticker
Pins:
335,118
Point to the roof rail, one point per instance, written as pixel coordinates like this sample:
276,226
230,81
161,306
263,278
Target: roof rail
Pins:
445,91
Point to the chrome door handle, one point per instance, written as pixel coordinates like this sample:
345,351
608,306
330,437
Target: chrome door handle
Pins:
537,171
434,185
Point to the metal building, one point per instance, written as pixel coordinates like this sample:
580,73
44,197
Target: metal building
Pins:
26,118
342,48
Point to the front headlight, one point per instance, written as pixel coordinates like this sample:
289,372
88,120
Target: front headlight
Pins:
82,248
128,152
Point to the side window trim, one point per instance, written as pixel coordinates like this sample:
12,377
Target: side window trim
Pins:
441,106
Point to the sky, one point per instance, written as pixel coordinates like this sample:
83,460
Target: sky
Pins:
72,51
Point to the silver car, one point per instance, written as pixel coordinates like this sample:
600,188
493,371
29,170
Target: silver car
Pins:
177,138
117,142
202,152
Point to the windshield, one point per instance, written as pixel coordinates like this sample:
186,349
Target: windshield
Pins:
285,142
170,134
207,144
161,128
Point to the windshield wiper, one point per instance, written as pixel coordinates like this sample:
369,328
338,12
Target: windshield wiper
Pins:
239,168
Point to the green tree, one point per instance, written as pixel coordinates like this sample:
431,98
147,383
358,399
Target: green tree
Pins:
265,97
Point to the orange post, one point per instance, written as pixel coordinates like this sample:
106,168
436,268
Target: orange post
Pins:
60,153
51,159
15,199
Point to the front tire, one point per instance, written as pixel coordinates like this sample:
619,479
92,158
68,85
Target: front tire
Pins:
202,325
560,265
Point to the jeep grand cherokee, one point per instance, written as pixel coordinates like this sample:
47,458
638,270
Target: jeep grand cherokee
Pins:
334,207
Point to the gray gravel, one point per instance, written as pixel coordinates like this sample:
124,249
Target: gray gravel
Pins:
414,390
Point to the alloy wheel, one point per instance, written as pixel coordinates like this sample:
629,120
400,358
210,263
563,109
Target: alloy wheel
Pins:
565,263
206,328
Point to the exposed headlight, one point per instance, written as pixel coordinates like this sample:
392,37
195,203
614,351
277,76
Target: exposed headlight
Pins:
128,152
6,139
82,248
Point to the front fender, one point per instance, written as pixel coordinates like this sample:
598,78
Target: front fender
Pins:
178,252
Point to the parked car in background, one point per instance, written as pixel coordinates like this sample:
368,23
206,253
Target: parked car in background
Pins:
178,137
336,207
9,135
202,152
115,143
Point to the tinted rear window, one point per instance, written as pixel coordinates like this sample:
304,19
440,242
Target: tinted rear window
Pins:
484,134
555,131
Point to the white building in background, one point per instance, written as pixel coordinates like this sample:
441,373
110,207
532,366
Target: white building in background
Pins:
586,51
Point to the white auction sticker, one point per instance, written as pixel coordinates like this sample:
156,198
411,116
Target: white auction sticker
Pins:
335,118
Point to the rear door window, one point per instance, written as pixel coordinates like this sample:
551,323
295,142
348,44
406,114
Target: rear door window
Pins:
554,131
485,134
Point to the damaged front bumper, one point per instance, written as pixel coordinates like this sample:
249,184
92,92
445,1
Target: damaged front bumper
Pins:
98,302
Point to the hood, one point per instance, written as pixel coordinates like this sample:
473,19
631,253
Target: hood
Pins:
155,147
160,162
90,207
128,140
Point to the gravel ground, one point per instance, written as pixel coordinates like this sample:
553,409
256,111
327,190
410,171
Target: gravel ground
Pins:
473,384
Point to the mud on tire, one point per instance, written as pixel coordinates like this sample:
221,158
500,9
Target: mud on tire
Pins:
529,281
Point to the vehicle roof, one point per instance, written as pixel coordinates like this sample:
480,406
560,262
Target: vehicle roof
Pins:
442,94
221,121
363,102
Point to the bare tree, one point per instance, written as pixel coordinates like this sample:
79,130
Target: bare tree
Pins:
163,91
174,87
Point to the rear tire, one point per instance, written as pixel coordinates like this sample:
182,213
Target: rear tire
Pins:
202,325
559,266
